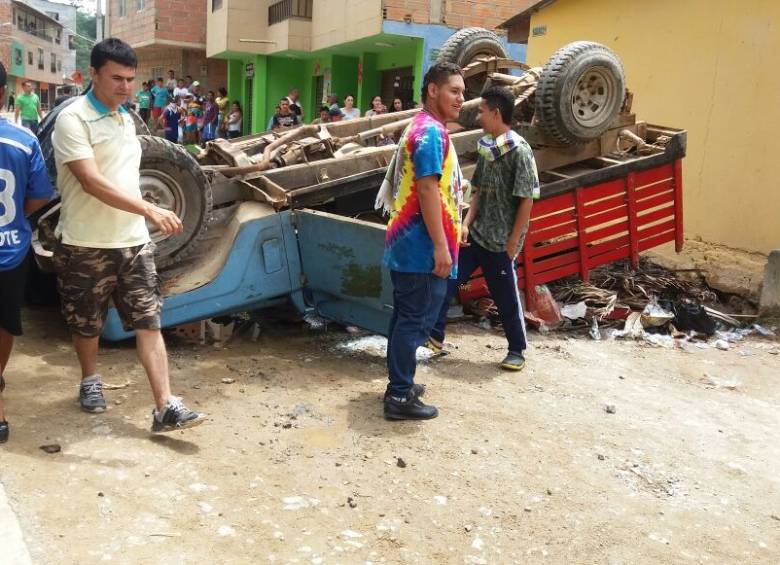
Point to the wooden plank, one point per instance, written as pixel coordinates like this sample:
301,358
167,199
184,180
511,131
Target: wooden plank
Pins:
543,265
655,201
603,190
601,248
555,247
679,236
552,220
606,204
657,240
552,205
632,220
607,231
606,217
650,231
656,215
579,197
656,174
612,255
556,274
643,192
552,233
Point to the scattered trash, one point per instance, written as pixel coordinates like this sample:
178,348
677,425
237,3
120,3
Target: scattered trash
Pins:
440,500
228,381
226,531
692,316
610,409
546,308
400,463
574,311
51,448
653,316
761,330
713,382
722,344
351,502
594,332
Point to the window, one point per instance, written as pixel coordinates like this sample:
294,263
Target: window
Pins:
18,57
122,8
53,66
29,57
141,4
40,59
216,5
59,66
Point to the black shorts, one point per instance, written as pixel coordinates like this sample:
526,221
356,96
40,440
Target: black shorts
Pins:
12,297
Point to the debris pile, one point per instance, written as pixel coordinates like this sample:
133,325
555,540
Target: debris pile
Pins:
650,304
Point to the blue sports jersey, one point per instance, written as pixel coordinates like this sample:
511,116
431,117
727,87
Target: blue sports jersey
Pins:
22,176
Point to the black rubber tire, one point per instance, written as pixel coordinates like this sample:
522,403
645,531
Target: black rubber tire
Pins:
467,44
557,92
167,166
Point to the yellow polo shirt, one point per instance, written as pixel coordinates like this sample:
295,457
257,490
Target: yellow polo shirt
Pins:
86,129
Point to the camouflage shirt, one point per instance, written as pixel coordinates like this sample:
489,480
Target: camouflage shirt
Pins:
501,184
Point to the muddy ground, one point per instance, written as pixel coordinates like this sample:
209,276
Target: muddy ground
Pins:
297,465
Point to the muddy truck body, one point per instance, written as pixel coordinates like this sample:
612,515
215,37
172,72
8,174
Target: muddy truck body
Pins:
289,217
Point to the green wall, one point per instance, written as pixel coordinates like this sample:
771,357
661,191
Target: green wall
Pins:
344,75
372,82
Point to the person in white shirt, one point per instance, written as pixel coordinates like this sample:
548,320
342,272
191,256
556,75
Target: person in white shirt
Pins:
349,110
104,251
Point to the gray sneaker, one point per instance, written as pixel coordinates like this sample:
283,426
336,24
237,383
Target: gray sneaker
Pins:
91,397
175,416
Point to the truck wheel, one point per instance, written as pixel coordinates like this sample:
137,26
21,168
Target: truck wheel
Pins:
172,179
466,45
580,92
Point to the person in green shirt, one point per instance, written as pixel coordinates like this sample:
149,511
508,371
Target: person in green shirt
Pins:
144,99
504,185
29,106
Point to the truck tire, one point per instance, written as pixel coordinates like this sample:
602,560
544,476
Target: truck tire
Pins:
466,45
172,179
46,128
580,92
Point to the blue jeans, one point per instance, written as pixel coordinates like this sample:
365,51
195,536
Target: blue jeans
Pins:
417,299
501,279
31,125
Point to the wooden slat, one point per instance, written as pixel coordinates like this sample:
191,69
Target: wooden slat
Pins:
606,204
656,215
543,265
556,274
661,199
552,233
552,220
605,217
607,231
551,205
599,191
612,255
648,191
601,248
557,247
657,240
646,232
650,176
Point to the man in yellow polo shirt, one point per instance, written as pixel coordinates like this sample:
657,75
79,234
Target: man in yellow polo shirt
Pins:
105,251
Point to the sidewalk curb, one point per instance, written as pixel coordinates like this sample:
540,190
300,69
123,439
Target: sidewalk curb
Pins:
14,550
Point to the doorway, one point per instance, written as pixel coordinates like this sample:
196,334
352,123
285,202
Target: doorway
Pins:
319,92
398,83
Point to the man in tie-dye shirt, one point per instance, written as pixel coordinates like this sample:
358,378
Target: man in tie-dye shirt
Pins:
421,249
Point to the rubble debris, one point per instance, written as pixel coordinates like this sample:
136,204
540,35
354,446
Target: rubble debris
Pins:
610,408
51,448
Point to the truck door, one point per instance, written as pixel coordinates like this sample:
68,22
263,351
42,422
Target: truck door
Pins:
342,271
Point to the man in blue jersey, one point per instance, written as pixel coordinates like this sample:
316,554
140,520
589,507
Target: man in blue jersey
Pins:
24,188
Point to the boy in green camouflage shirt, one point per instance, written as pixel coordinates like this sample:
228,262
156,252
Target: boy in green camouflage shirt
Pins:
504,185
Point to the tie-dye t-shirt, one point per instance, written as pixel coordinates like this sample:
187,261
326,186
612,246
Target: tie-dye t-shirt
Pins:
423,150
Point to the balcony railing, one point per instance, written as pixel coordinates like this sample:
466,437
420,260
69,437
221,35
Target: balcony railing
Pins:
287,9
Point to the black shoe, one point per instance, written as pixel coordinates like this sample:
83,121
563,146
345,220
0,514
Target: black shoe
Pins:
4,431
175,416
408,408
418,390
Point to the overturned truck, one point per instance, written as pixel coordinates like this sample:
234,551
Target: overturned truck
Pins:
279,217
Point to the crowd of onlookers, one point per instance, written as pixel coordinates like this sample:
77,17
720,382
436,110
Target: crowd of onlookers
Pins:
184,113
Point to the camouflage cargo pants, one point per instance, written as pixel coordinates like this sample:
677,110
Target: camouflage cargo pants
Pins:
89,278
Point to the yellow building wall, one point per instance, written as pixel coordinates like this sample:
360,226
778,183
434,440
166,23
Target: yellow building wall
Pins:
711,67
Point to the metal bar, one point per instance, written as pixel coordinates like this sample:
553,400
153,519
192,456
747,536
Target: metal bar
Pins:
632,220
679,236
